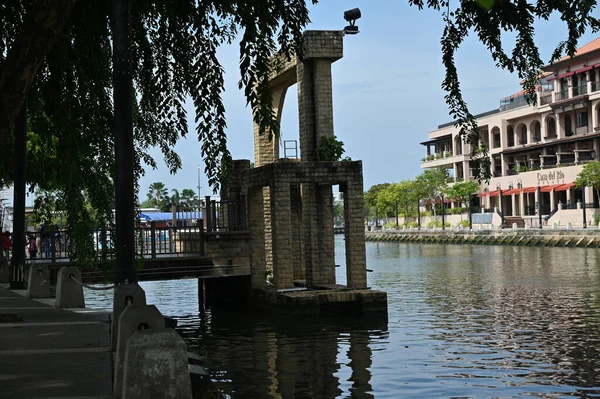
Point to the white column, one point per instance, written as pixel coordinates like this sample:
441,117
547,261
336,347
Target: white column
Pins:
522,198
594,117
514,205
552,202
543,126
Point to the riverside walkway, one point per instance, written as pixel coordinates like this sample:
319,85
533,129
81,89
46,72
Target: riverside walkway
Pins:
52,353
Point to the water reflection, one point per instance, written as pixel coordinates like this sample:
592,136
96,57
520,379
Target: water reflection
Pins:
258,356
464,321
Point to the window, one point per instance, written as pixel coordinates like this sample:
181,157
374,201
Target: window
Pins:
582,119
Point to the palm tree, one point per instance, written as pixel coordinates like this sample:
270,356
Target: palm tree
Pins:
175,199
157,194
189,199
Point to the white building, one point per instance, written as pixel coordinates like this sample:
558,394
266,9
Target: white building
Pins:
531,146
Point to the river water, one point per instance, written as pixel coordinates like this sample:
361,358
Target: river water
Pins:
464,322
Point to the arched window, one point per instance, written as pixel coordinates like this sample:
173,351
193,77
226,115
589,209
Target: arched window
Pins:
496,137
537,132
550,128
523,138
510,135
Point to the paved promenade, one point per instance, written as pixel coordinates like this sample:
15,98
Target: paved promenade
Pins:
52,353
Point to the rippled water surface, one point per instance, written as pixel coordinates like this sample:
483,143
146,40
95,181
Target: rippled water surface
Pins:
464,321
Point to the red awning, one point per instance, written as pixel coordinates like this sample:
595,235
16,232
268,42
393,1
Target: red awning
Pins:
529,190
584,69
494,193
547,189
565,187
510,192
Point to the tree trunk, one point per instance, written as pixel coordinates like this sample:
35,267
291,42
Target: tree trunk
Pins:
42,26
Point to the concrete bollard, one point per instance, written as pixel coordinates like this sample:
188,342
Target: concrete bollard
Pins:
69,294
555,225
569,226
133,318
156,366
38,285
514,226
125,295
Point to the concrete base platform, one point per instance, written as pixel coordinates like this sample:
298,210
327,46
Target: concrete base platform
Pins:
52,353
335,300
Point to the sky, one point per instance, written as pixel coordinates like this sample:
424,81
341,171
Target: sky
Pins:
386,91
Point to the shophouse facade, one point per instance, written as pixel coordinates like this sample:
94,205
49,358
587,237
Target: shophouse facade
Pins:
536,151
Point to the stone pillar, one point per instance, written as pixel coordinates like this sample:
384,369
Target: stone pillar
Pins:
297,241
256,223
356,262
283,270
268,229
309,233
326,256
552,201
315,99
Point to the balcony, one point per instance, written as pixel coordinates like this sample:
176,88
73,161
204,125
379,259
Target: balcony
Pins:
580,90
562,95
546,99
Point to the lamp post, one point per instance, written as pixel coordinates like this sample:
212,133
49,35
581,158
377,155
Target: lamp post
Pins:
419,213
539,205
199,201
443,213
583,206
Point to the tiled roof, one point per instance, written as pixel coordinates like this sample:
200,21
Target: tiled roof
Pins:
591,46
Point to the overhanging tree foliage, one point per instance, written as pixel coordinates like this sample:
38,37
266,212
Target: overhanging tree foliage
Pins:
59,53
489,19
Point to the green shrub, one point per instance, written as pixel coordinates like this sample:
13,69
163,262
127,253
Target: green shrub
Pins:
464,224
438,224
596,220
408,225
329,149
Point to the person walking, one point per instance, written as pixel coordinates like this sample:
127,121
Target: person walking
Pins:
47,240
6,245
33,248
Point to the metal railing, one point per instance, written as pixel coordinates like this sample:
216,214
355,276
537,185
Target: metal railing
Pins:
150,241
562,95
547,99
230,215
580,90
596,85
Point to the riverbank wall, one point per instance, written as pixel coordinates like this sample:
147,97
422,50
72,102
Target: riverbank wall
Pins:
581,238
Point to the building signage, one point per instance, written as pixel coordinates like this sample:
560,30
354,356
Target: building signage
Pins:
550,176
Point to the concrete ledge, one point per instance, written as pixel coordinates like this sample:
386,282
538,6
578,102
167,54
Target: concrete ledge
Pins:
359,302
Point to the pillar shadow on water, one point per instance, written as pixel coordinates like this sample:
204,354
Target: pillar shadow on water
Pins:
253,354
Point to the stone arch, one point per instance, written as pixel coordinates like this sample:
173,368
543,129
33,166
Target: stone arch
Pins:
496,142
550,126
266,148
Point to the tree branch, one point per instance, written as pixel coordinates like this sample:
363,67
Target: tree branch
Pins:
42,26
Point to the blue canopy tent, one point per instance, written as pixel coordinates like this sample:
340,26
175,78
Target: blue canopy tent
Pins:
168,216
